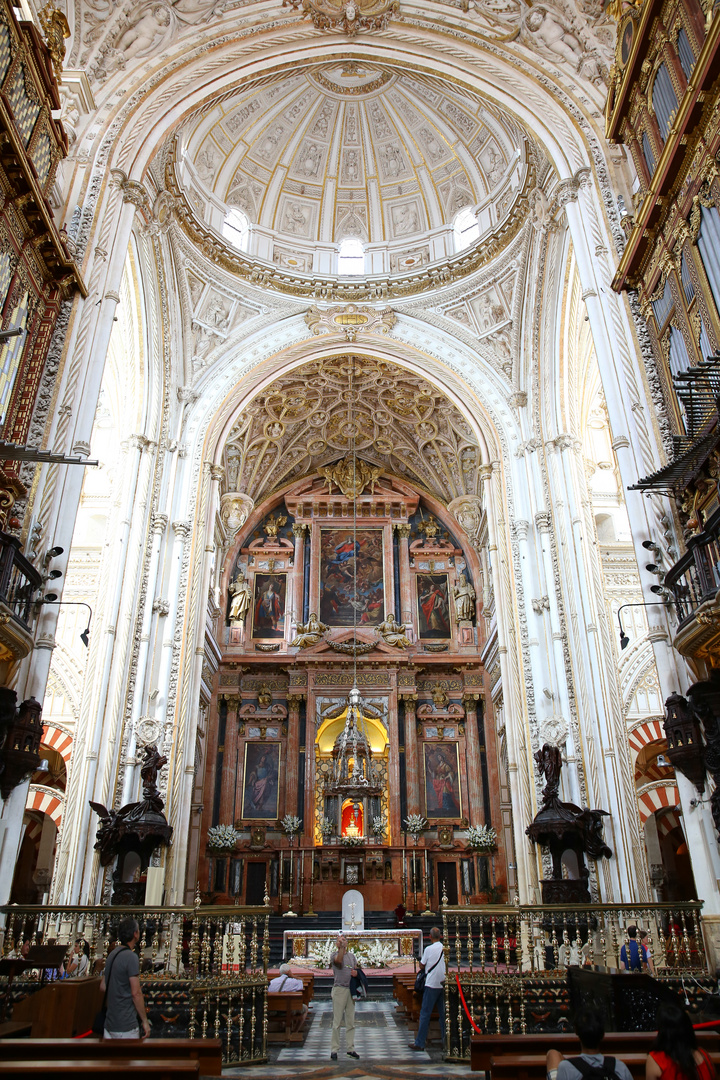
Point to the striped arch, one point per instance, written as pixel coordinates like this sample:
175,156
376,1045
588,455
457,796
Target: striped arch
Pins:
668,821
33,830
46,802
59,740
647,732
657,798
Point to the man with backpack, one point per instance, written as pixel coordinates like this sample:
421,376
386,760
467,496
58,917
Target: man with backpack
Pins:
590,1065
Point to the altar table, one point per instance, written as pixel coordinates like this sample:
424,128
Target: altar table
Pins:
405,940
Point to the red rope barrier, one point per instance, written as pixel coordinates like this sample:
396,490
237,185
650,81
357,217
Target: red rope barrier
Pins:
464,1004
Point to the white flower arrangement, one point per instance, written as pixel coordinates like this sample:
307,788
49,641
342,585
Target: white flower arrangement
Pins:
321,952
378,826
327,827
352,841
376,955
415,824
222,837
481,837
290,824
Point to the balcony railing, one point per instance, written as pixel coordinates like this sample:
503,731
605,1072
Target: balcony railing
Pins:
695,577
19,580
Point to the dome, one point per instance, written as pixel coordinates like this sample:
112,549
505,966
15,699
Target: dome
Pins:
342,150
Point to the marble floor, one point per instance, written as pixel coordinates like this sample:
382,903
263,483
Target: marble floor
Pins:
381,1040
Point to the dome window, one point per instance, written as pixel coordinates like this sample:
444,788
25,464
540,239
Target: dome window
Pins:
236,228
466,229
351,257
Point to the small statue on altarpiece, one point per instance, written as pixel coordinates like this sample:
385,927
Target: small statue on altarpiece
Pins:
241,598
464,600
393,633
309,633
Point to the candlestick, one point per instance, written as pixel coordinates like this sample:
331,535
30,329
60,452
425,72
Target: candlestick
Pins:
427,910
302,879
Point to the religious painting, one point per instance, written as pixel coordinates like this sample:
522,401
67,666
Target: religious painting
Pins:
260,780
269,606
342,556
442,780
433,607
628,33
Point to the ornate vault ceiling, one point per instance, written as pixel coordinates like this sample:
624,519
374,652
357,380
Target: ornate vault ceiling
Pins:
399,421
349,149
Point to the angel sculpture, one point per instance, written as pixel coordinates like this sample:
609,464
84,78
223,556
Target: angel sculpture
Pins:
109,832
393,633
309,633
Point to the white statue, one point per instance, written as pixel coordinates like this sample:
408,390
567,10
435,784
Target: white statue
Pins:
552,35
149,31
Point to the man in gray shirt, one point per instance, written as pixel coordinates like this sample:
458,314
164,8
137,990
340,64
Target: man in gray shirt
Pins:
344,967
590,1029
121,982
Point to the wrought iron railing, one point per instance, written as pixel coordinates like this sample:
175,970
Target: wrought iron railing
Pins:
510,963
19,580
695,577
203,970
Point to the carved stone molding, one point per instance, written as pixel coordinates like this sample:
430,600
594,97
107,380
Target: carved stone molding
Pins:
468,511
350,320
235,509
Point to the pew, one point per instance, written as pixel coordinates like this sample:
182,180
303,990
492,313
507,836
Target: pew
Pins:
532,1066
410,1003
615,1044
284,1003
60,1009
128,1069
206,1052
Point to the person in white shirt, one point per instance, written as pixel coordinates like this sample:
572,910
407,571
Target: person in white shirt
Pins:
283,983
433,964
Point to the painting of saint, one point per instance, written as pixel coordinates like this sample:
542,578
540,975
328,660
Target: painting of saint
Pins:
341,557
260,780
269,606
433,606
442,784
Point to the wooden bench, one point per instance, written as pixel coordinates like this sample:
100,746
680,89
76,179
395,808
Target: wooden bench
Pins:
13,1029
128,1069
615,1044
411,1003
286,1004
533,1067
206,1052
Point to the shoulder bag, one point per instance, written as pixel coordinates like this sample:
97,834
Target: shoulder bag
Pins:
422,976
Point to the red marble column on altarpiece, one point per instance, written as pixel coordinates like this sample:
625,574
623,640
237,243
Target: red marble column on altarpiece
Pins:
229,774
411,755
293,753
474,775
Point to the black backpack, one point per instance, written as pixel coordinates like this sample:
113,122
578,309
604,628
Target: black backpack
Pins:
606,1071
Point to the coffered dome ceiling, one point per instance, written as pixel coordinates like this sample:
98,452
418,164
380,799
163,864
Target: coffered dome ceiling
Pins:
308,419
352,149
